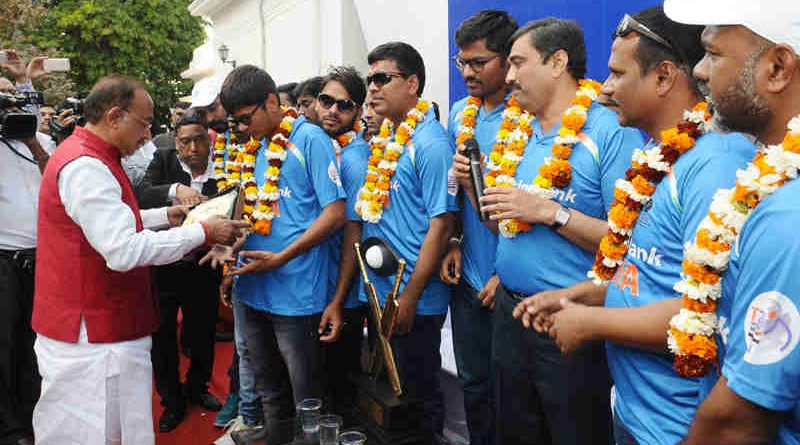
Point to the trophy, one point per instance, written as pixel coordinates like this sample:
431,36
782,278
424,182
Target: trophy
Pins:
391,416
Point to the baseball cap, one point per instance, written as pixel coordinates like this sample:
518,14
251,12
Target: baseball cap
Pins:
775,20
206,90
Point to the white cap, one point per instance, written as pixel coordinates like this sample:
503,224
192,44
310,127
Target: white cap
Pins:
206,91
775,20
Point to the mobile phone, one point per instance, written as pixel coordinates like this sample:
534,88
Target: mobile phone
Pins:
56,64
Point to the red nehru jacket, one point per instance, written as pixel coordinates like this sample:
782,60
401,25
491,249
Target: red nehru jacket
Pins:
72,279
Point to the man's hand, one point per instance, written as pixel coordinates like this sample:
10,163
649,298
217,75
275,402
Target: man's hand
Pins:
332,315
66,118
176,215
570,327
15,67
536,311
225,290
258,261
461,169
405,316
450,272
219,255
513,203
224,231
486,295
35,68
188,196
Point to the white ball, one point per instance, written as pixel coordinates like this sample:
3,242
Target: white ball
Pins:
374,257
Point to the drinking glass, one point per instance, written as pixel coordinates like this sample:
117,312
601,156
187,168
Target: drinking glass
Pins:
329,429
352,438
308,410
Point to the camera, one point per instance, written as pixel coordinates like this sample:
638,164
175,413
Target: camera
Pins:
71,103
15,122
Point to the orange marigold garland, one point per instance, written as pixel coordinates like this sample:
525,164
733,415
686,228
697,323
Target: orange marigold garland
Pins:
648,168
343,140
706,259
374,194
556,172
466,129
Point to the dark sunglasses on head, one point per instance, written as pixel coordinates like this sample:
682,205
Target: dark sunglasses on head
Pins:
328,102
247,118
476,64
628,24
381,78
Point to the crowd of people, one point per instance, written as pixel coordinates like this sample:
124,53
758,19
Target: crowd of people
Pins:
627,275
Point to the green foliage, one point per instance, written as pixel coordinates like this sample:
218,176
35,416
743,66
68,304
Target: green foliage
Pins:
151,40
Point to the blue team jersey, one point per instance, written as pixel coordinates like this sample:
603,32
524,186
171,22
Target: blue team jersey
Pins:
540,258
479,244
353,168
758,315
420,192
654,403
308,182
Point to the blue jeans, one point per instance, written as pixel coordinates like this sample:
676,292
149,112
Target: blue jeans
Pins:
286,356
543,397
249,400
472,344
419,363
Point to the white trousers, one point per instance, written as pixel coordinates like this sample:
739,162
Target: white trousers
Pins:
94,394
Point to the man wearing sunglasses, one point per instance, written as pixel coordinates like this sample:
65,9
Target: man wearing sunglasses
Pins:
566,397
469,264
650,87
339,106
416,222
282,277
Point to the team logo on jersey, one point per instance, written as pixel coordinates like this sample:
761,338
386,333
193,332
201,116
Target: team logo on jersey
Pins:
333,173
771,328
452,183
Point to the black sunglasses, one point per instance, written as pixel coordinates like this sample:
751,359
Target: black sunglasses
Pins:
247,118
628,24
344,105
381,78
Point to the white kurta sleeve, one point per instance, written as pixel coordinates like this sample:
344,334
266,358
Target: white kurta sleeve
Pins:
92,197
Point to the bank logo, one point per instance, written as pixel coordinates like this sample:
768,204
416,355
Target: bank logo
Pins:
771,328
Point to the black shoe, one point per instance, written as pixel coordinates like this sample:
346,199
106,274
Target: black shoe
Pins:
28,440
169,420
206,400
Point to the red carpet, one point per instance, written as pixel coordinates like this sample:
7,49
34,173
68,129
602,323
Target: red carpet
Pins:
198,427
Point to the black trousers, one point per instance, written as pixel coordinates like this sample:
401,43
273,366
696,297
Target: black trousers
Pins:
541,396
19,376
193,289
343,359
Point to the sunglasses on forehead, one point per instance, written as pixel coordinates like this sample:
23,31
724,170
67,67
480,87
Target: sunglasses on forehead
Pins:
628,24
343,105
382,78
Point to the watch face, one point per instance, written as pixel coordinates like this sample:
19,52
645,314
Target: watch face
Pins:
562,216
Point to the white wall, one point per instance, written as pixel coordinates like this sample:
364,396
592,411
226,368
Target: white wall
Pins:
297,39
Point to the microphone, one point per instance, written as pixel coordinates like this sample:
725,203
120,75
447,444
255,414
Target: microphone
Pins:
473,152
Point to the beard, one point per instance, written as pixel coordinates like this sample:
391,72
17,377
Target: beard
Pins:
739,107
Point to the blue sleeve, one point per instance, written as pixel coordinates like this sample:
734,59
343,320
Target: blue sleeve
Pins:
434,157
452,125
321,167
762,361
615,159
354,169
704,178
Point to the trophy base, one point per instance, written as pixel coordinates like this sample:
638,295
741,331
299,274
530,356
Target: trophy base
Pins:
388,419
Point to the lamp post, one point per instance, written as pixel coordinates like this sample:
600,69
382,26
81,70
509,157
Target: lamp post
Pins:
224,52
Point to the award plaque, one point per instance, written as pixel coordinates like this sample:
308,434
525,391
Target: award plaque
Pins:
227,204
390,416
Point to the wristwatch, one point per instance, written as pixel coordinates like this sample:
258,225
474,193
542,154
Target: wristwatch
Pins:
562,217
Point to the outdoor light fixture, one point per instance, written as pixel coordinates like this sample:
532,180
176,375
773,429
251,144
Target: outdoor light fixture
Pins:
224,52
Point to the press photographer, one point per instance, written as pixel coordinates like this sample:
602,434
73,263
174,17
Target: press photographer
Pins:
22,160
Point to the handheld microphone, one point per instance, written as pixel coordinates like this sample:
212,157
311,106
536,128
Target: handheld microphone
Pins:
473,152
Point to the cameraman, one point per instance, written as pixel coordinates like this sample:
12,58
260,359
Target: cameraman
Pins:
21,166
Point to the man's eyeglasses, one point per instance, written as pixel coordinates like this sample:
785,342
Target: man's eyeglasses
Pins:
381,78
247,118
628,24
475,64
344,105
144,122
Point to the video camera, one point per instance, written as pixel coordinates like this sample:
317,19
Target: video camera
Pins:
71,103
15,122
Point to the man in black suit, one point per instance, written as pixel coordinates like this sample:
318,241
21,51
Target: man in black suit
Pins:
183,284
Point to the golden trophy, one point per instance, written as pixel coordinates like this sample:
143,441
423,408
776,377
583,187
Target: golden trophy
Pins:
390,416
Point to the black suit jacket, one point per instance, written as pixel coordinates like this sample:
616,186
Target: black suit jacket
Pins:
165,170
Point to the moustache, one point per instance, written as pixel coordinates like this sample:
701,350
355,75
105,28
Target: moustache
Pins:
607,101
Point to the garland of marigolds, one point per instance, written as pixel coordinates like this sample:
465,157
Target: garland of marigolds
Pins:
556,172
691,331
384,154
648,168
343,140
